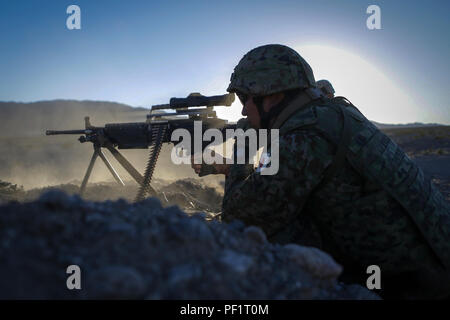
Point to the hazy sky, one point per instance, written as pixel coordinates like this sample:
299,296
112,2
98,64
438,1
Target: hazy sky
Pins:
144,52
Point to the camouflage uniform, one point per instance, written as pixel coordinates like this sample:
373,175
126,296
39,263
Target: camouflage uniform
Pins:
359,222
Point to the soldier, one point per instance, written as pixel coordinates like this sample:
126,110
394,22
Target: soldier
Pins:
326,87
361,197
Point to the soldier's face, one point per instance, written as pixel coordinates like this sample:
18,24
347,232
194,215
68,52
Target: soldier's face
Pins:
250,111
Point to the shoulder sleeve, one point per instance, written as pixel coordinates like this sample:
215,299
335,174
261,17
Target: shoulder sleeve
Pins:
271,201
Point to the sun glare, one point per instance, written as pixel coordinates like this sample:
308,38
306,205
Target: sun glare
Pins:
365,85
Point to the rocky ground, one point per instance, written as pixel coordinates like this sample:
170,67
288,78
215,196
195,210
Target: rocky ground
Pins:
145,251
153,250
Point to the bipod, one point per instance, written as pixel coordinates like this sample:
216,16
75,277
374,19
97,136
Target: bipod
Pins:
122,160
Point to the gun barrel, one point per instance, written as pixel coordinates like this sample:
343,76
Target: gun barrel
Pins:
55,132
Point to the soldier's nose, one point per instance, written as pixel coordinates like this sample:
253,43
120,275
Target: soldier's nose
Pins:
244,111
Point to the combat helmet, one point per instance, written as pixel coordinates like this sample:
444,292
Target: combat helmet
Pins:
271,69
325,86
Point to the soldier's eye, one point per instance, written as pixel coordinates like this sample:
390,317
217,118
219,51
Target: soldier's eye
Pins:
242,97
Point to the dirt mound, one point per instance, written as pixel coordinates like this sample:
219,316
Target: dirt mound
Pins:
10,192
146,251
189,194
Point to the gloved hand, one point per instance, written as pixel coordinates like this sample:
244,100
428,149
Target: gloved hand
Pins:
243,124
204,169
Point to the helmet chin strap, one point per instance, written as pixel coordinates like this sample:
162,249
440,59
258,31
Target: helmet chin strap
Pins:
264,116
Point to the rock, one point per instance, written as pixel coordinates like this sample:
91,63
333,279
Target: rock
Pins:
116,282
184,273
57,199
256,235
144,251
122,228
199,229
236,262
314,260
354,291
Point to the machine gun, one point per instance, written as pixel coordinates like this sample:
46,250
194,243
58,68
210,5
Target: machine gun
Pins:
149,134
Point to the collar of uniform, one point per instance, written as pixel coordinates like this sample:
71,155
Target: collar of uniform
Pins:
287,119
301,118
301,101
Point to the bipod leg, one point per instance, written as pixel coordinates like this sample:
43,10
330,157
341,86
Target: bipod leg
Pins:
129,167
88,172
110,167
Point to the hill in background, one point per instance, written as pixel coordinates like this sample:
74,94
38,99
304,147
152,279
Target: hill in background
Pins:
405,125
30,158
25,119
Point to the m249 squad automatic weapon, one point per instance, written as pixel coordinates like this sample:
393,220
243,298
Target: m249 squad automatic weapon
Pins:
151,134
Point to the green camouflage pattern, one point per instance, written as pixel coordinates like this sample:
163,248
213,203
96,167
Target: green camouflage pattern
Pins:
270,69
357,218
